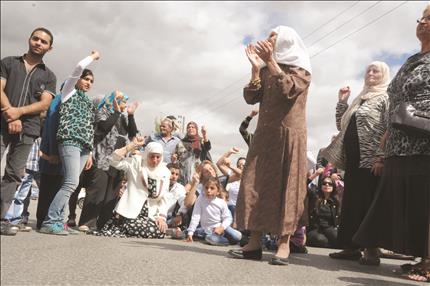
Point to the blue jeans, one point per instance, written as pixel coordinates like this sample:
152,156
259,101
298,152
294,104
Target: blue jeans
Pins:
73,162
14,214
230,234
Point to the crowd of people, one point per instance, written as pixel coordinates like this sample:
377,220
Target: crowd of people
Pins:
368,194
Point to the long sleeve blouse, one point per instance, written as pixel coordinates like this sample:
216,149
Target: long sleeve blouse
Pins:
210,213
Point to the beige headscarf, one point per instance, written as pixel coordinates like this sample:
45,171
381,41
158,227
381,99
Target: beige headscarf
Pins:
290,49
368,92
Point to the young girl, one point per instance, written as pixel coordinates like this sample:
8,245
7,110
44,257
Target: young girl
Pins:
214,217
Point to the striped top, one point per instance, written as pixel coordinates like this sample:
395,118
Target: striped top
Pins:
371,120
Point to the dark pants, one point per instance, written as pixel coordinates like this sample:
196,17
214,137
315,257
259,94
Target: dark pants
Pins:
19,149
49,186
326,237
95,193
110,199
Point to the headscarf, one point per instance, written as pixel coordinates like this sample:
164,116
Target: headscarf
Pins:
194,139
107,101
368,92
289,48
151,148
155,173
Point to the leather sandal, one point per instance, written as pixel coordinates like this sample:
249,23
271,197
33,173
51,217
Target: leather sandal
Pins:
251,255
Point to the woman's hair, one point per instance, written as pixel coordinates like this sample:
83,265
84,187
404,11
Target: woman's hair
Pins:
87,72
320,193
221,191
202,164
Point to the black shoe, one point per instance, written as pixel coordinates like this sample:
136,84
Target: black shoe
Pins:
373,261
298,248
252,254
355,255
278,261
8,229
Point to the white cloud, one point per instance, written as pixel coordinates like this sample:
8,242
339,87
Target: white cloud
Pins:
188,58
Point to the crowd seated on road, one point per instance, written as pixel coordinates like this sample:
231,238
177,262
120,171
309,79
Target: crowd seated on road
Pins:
167,184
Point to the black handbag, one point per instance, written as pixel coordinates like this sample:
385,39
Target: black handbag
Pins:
411,121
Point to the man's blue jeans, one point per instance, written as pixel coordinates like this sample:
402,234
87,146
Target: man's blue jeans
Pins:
14,213
73,162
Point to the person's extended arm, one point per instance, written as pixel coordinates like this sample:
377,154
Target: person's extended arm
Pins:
224,164
191,189
69,86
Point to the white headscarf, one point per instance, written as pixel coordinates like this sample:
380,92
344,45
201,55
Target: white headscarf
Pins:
153,148
368,92
290,49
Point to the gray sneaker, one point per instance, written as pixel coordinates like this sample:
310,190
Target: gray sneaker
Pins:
56,229
8,229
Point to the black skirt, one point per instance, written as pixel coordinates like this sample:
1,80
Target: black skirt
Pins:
399,217
359,191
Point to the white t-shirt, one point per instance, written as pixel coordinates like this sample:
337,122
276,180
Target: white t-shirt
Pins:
175,194
233,191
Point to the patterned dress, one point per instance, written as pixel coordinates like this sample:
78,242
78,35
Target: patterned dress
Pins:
140,227
399,218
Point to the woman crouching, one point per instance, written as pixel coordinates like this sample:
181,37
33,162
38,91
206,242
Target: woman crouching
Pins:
141,211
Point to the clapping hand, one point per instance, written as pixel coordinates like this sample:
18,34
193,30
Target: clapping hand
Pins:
132,107
264,50
253,58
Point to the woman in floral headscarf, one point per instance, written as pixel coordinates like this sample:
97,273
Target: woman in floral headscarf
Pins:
193,150
115,127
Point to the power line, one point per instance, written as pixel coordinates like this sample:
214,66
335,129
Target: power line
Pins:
320,52
359,29
343,25
329,21
211,97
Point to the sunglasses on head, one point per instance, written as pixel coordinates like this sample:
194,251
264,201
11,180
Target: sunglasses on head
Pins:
327,184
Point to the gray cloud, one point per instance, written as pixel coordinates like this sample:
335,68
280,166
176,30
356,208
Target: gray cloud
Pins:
187,58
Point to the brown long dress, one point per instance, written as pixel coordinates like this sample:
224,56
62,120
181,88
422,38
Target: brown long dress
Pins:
273,185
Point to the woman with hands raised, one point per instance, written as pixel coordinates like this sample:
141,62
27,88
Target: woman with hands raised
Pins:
273,201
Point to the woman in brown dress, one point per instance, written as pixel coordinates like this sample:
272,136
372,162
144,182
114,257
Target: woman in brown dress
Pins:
273,185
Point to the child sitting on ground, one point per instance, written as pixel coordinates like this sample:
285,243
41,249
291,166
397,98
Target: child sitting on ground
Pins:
214,217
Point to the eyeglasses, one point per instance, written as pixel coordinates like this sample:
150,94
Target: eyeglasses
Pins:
327,184
424,19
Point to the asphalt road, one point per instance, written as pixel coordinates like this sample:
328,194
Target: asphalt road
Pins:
40,259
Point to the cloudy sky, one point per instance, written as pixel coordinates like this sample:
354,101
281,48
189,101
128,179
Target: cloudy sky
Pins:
188,59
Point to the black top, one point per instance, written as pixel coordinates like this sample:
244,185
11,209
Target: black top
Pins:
24,88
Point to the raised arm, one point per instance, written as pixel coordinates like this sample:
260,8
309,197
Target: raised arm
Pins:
224,164
69,85
342,105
